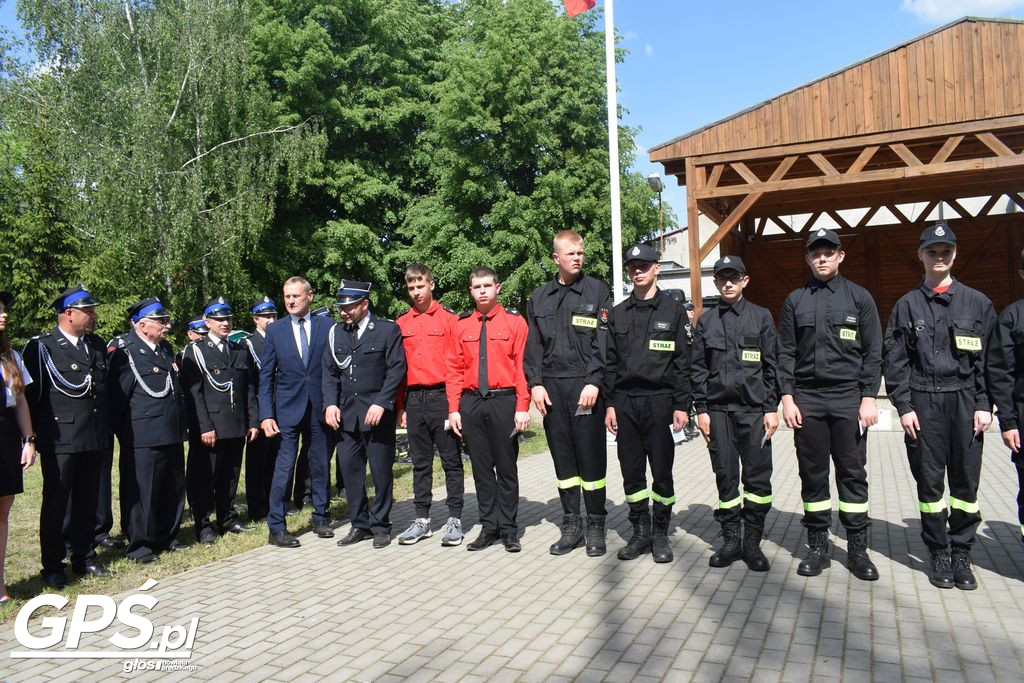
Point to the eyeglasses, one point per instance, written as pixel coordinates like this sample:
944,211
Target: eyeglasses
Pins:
734,279
827,254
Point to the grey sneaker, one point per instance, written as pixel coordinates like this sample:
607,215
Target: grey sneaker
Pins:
417,531
452,532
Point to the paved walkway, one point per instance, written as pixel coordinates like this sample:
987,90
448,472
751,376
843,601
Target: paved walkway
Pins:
432,613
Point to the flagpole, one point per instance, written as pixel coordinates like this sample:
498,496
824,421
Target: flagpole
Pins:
613,150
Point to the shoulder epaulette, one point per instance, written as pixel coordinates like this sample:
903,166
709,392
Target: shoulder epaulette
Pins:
512,311
465,314
450,310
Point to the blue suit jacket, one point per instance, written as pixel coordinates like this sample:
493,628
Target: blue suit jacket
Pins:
286,386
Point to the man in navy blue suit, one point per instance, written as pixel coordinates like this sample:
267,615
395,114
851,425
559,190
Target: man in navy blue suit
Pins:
291,401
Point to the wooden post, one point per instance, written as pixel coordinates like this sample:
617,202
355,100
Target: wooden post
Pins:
693,233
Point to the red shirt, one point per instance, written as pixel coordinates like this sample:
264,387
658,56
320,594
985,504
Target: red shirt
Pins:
506,344
427,338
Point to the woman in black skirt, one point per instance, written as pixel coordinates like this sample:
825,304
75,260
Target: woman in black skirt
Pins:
17,440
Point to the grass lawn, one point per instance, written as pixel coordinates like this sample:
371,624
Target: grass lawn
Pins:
22,566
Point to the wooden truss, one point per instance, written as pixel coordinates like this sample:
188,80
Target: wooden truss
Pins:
746,191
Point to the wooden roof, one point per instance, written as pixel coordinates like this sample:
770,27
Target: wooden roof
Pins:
969,70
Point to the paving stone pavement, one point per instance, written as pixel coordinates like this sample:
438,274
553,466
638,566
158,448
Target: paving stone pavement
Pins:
430,613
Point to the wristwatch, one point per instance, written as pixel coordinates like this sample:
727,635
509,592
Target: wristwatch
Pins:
31,438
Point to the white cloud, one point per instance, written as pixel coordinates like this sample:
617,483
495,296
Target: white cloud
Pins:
649,50
629,35
938,11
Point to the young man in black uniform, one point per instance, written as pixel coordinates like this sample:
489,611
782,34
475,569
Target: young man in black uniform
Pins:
736,399
1004,360
260,453
363,366
218,378
68,402
648,394
566,353
830,360
149,406
935,376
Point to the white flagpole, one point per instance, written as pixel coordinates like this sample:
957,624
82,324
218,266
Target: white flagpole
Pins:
613,150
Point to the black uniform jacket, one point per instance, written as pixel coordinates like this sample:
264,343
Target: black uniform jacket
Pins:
936,342
830,336
1005,365
734,360
146,421
68,417
568,332
228,411
362,372
648,354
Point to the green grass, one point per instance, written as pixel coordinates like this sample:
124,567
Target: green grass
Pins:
22,565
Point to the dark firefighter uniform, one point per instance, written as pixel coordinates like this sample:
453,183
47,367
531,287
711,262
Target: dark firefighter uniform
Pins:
149,406
364,365
733,371
648,380
217,378
1005,372
261,453
934,367
566,350
830,357
68,402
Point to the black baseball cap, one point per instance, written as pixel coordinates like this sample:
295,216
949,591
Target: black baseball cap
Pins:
730,263
823,236
940,233
640,252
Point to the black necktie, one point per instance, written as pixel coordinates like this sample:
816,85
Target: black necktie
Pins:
482,377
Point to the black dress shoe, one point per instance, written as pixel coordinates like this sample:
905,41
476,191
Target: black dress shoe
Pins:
381,539
208,536
283,539
511,543
91,569
236,528
55,579
484,540
323,530
148,558
110,543
174,546
355,535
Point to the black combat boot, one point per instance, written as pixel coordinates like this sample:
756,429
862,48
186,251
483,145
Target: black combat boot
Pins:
752,554
857,560
942,569
731,549
818,555
572,535
595,536
963,577
640,543
660,548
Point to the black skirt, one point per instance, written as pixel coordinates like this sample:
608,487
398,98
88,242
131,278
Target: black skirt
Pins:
10,454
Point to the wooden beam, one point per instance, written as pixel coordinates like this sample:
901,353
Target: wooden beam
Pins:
693,238
782,224
838,219
823,164
729,223
811,220
904,153
783,168
947,148
745,173
866,218
1016,199
716,175
958,207
862,159
900,217
995,144
709,210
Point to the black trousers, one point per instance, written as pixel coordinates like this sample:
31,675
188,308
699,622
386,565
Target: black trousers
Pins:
735,442
153,491
425,412
946,445
211,479
105,504
260,458
578,446
71,483
832,428
487,426
376,447
644,437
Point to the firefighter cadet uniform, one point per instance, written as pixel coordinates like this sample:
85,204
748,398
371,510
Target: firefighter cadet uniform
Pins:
830,357
149,406
1005,372
733,371
217,377
934,367
648,380
68,402
261,453
566,350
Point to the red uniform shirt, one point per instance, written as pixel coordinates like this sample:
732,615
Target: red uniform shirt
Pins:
427,338
506,344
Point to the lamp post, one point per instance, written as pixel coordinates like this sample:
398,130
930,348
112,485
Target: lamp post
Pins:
654,180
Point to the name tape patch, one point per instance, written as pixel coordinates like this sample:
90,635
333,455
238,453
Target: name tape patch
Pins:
584,321
847,334
968,343
660,345
750,355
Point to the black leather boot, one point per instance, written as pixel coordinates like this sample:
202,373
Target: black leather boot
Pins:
752,554
572,535
942,569
595,536
640,543
731,549
963,577
819,555
660,548
857,559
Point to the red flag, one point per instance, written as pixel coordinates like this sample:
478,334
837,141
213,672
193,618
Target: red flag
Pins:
574,7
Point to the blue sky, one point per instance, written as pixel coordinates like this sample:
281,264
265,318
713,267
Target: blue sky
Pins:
692,62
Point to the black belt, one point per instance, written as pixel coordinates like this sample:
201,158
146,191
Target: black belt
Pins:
423,387
500,391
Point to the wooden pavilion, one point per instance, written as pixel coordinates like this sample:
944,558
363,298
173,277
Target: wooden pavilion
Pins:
933,121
